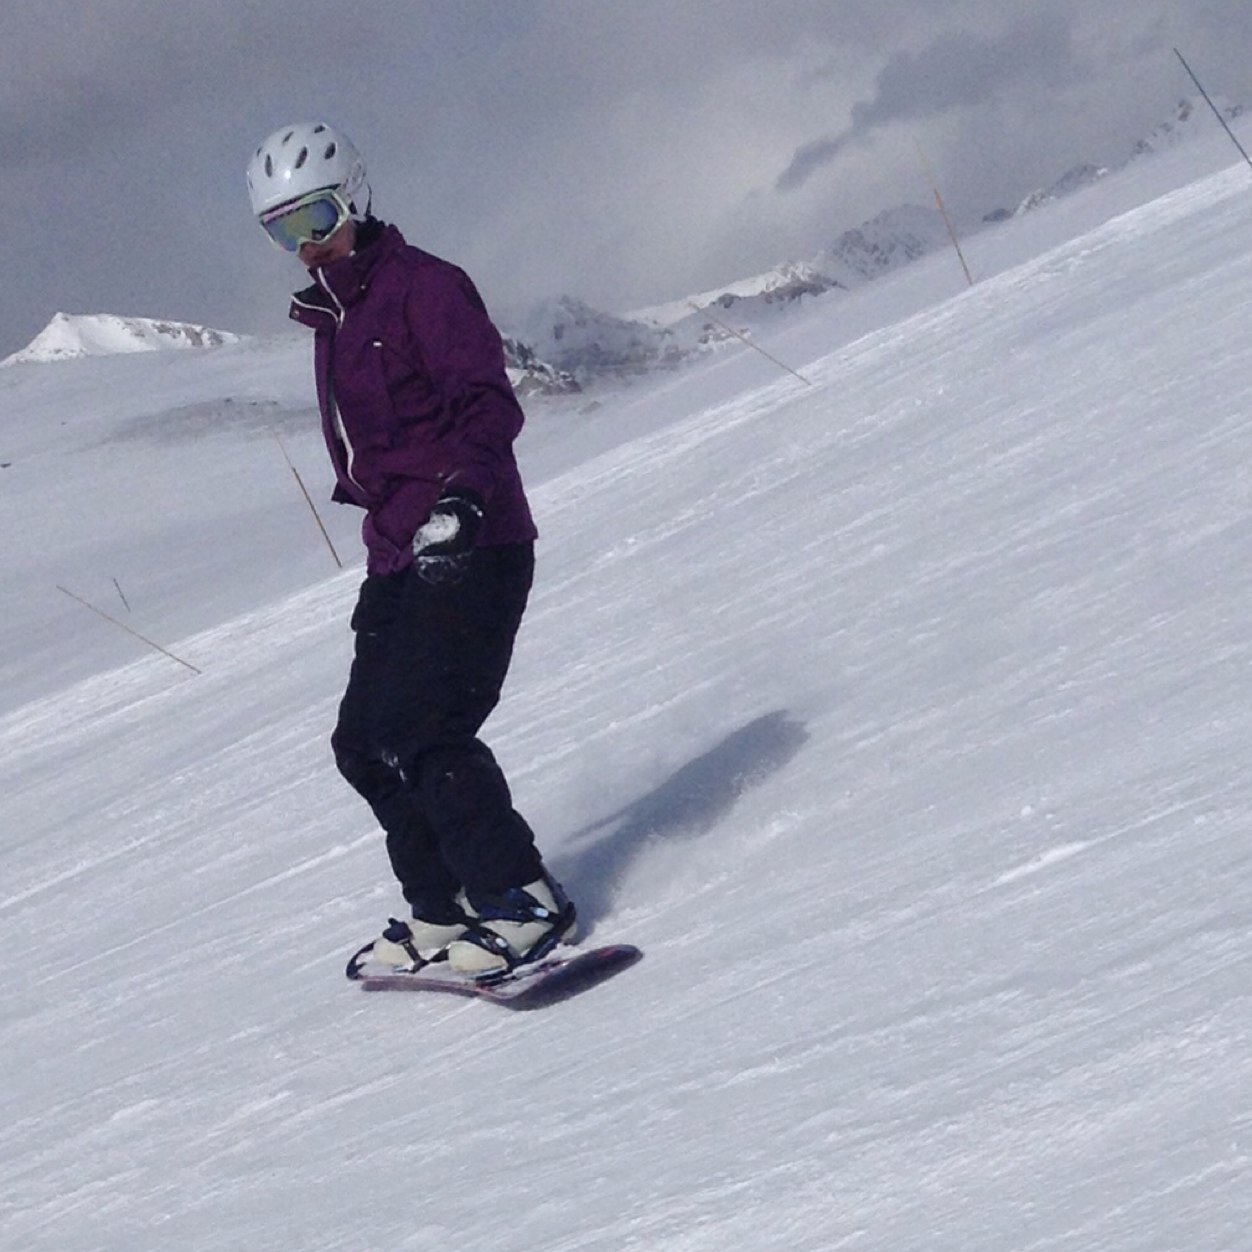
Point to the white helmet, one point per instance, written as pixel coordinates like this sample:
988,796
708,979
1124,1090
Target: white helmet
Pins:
309,156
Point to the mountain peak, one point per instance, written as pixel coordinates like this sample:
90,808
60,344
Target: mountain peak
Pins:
895,237
71,335
587,342
1189,113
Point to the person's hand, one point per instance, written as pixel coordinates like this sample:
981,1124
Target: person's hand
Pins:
442,545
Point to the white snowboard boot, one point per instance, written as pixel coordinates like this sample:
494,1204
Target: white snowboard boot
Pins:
512,928
414,943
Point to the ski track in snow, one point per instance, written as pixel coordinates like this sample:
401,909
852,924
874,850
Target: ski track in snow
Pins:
897,718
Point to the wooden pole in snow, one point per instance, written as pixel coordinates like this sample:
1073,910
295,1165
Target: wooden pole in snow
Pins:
947,221
308,499
122,626
732,331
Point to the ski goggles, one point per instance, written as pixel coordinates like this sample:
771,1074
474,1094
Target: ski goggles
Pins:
310,219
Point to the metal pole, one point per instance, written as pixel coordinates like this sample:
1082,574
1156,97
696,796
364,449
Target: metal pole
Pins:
1216,111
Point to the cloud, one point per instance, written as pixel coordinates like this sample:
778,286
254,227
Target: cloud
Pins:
957,69
75,80
809,158
611,151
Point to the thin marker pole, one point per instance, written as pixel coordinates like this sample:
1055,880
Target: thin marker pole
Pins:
122,626
731,330
308,499
943,210
1216,111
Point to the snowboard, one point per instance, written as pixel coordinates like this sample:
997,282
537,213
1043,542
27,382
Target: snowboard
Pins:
555,978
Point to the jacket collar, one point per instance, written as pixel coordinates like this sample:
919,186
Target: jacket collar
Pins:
338,286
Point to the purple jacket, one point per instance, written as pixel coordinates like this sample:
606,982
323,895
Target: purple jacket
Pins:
413,394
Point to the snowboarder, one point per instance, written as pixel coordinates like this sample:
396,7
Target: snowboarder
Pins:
419,419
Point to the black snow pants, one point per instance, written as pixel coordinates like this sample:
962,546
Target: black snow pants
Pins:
429,664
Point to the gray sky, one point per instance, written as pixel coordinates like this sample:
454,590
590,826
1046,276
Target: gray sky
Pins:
626,151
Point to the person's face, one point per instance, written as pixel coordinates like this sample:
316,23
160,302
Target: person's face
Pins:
333,248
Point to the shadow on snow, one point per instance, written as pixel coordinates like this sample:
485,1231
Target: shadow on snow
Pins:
686,805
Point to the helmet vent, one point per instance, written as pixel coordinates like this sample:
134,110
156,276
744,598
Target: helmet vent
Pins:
330,151
304,156
287,136
269,166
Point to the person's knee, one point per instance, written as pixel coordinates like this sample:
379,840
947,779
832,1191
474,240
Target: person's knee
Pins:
456,765
352,758
430,735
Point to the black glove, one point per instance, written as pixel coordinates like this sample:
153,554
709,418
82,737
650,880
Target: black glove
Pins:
442,545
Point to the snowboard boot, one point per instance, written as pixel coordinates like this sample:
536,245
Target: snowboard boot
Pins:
511,928
420,940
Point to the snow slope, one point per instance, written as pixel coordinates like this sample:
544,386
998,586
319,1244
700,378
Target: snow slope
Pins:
899,718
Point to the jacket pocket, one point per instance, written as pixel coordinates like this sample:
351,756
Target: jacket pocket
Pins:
411,391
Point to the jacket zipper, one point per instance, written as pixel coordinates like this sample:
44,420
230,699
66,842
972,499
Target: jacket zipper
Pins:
336,416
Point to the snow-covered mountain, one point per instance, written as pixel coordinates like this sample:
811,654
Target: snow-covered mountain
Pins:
893,238
1071,181
531,376
776,288
590,343
899,718
896,237
1192,116
69,336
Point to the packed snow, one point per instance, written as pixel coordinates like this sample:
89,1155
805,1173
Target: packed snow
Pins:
898,717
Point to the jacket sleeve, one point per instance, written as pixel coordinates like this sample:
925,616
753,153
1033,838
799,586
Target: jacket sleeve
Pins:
464,358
